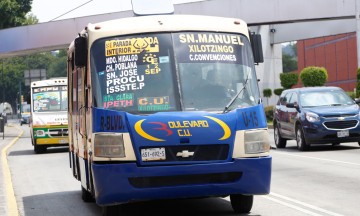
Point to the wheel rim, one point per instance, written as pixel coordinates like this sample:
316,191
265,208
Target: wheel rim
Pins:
299,140
276,135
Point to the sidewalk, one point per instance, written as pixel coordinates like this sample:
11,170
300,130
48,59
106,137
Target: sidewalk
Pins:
11,132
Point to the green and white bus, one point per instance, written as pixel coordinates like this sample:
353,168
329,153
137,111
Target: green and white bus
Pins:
49,123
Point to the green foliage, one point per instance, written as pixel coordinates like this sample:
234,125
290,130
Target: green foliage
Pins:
287,80
351,94
31,19
57,68
289,63
267,92
13,73
13,12
278,91
269,112
313,76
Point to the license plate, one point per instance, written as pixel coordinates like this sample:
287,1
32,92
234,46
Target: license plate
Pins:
62,141
152,154
343,133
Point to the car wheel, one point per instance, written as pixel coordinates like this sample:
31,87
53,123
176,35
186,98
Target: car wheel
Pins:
335,143
300,140
279,141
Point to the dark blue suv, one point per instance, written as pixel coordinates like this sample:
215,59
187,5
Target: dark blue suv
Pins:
316,115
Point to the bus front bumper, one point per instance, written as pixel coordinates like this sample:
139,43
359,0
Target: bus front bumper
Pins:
127,182
52,141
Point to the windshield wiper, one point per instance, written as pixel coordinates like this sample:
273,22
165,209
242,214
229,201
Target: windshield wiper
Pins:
226,109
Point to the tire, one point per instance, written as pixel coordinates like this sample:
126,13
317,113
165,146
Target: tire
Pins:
86,195
279,141
241,203
115,210
39,149
359,143
300,140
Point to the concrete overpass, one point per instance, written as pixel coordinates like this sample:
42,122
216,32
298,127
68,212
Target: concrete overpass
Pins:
277,21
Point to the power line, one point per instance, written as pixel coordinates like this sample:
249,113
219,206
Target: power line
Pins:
71,10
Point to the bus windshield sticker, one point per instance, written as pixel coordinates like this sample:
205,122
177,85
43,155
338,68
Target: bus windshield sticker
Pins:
131,46
140,66
208,47
118,100
153,103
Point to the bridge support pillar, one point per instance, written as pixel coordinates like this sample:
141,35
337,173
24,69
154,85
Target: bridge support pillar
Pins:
269,71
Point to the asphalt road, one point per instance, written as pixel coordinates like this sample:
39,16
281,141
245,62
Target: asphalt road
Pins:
323,181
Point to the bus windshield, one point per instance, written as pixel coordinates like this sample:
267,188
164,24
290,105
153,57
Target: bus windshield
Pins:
50,98
182,71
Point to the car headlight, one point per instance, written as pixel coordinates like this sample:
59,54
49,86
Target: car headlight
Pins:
109,145
312,117
256,141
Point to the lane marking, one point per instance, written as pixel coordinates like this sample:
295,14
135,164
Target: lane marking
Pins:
304,204
10,195
292,206
288,203
322,159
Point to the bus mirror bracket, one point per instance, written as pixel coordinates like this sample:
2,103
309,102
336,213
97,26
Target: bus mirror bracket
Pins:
256,46
80,51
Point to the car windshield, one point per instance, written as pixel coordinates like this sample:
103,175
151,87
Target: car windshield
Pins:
192,71
325,98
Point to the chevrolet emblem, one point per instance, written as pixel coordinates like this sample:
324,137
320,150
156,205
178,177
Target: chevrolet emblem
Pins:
184,154
341,118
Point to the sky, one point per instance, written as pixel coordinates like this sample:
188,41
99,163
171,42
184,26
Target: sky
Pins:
50,10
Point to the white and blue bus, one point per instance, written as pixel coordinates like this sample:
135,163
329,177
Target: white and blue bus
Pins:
167,106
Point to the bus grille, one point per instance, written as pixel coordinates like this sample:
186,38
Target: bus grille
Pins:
61,132
201,153
164,181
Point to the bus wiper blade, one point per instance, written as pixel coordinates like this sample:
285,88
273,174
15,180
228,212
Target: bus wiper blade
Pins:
226,109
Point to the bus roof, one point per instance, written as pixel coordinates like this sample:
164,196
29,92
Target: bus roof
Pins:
165,23
48,82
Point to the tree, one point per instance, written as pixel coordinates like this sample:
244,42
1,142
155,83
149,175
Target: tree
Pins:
13,12
267,93
289,57
57,67
313,76
289,63
278,91
288,80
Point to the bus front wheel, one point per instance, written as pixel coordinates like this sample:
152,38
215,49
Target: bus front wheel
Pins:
114,210
39,149
241,203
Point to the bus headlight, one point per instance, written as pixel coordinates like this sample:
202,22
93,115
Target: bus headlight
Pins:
40,133
109,145
256,141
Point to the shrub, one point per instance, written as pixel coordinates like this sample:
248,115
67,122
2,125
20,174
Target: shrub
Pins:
269,112
351,94
287,80
313,76
278,91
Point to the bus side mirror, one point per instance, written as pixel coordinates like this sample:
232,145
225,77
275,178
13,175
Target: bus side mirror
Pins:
80,51
256,46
